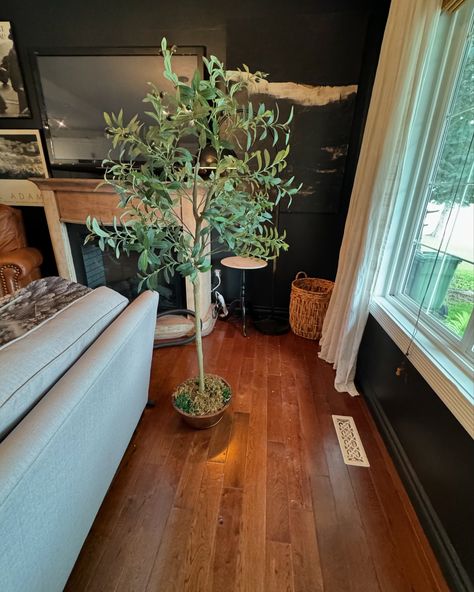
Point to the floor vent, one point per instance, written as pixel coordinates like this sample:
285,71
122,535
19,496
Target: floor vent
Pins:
349,441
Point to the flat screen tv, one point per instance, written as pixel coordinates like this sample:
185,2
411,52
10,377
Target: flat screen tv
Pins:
77,86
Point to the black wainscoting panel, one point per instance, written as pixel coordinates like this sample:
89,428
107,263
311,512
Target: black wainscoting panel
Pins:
433,452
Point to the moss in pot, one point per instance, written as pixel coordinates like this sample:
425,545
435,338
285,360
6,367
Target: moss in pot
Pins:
202,409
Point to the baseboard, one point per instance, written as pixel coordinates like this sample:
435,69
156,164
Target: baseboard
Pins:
449,561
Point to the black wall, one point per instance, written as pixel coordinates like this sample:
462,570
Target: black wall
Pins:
433,452
330,42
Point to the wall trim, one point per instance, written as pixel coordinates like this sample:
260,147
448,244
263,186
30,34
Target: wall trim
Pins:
448,558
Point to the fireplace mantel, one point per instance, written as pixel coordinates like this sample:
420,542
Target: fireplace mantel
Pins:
71,201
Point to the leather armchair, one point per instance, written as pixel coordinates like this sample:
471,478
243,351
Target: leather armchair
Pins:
19,264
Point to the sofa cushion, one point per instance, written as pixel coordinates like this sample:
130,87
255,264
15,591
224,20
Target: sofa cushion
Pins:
33,363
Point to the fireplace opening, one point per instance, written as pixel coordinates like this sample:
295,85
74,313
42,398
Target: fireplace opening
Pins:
37,236
96,268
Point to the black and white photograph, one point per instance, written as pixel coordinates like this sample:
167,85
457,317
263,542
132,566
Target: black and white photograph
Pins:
21,155
13,100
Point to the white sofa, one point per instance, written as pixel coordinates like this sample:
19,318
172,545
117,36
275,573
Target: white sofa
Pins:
83,391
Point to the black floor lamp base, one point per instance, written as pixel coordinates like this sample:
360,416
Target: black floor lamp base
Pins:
272,326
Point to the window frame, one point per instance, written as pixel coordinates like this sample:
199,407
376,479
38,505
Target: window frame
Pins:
446,362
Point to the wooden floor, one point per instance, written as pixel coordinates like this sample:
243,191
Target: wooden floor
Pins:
263,502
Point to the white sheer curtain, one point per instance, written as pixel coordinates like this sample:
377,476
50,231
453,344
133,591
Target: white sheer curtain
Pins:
409,35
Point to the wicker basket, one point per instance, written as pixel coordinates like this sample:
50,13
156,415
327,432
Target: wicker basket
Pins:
308,304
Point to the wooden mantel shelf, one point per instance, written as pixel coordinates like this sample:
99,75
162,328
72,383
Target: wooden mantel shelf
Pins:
72,185
78,198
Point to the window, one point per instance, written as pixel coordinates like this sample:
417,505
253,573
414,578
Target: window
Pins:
426,285
437,278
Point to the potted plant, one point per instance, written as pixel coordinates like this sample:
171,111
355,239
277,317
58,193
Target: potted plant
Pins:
233,201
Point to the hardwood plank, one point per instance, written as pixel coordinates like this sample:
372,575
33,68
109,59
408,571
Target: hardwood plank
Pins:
225,354
306,561
192,472
279,568
212,346
272,355
314,453
275,429
299,488
234,472
242,397
239,343
250,576
251,344
168,573
379,536
227,540
329,536
220,438
200,548
278,521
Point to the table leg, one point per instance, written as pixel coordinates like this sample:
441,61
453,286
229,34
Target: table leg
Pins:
242,304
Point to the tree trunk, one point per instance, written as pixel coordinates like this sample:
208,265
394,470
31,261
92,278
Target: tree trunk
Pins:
197,321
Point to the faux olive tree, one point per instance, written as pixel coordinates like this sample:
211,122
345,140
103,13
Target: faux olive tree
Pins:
157,169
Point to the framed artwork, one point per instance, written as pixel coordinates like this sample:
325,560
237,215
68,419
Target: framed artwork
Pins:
13,100
321,84
320,134
21,155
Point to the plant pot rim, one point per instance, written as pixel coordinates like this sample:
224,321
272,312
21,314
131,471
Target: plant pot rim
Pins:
206,415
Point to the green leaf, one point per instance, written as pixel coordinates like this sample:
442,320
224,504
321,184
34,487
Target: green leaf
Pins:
249,140
266,155
250,111
98,230
186,93
290,117
143,261
196,80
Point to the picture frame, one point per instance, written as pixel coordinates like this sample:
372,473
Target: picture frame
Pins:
22,155
13,99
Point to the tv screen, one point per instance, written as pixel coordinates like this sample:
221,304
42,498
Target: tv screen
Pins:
77,89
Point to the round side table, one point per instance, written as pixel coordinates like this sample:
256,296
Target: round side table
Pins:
244,264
